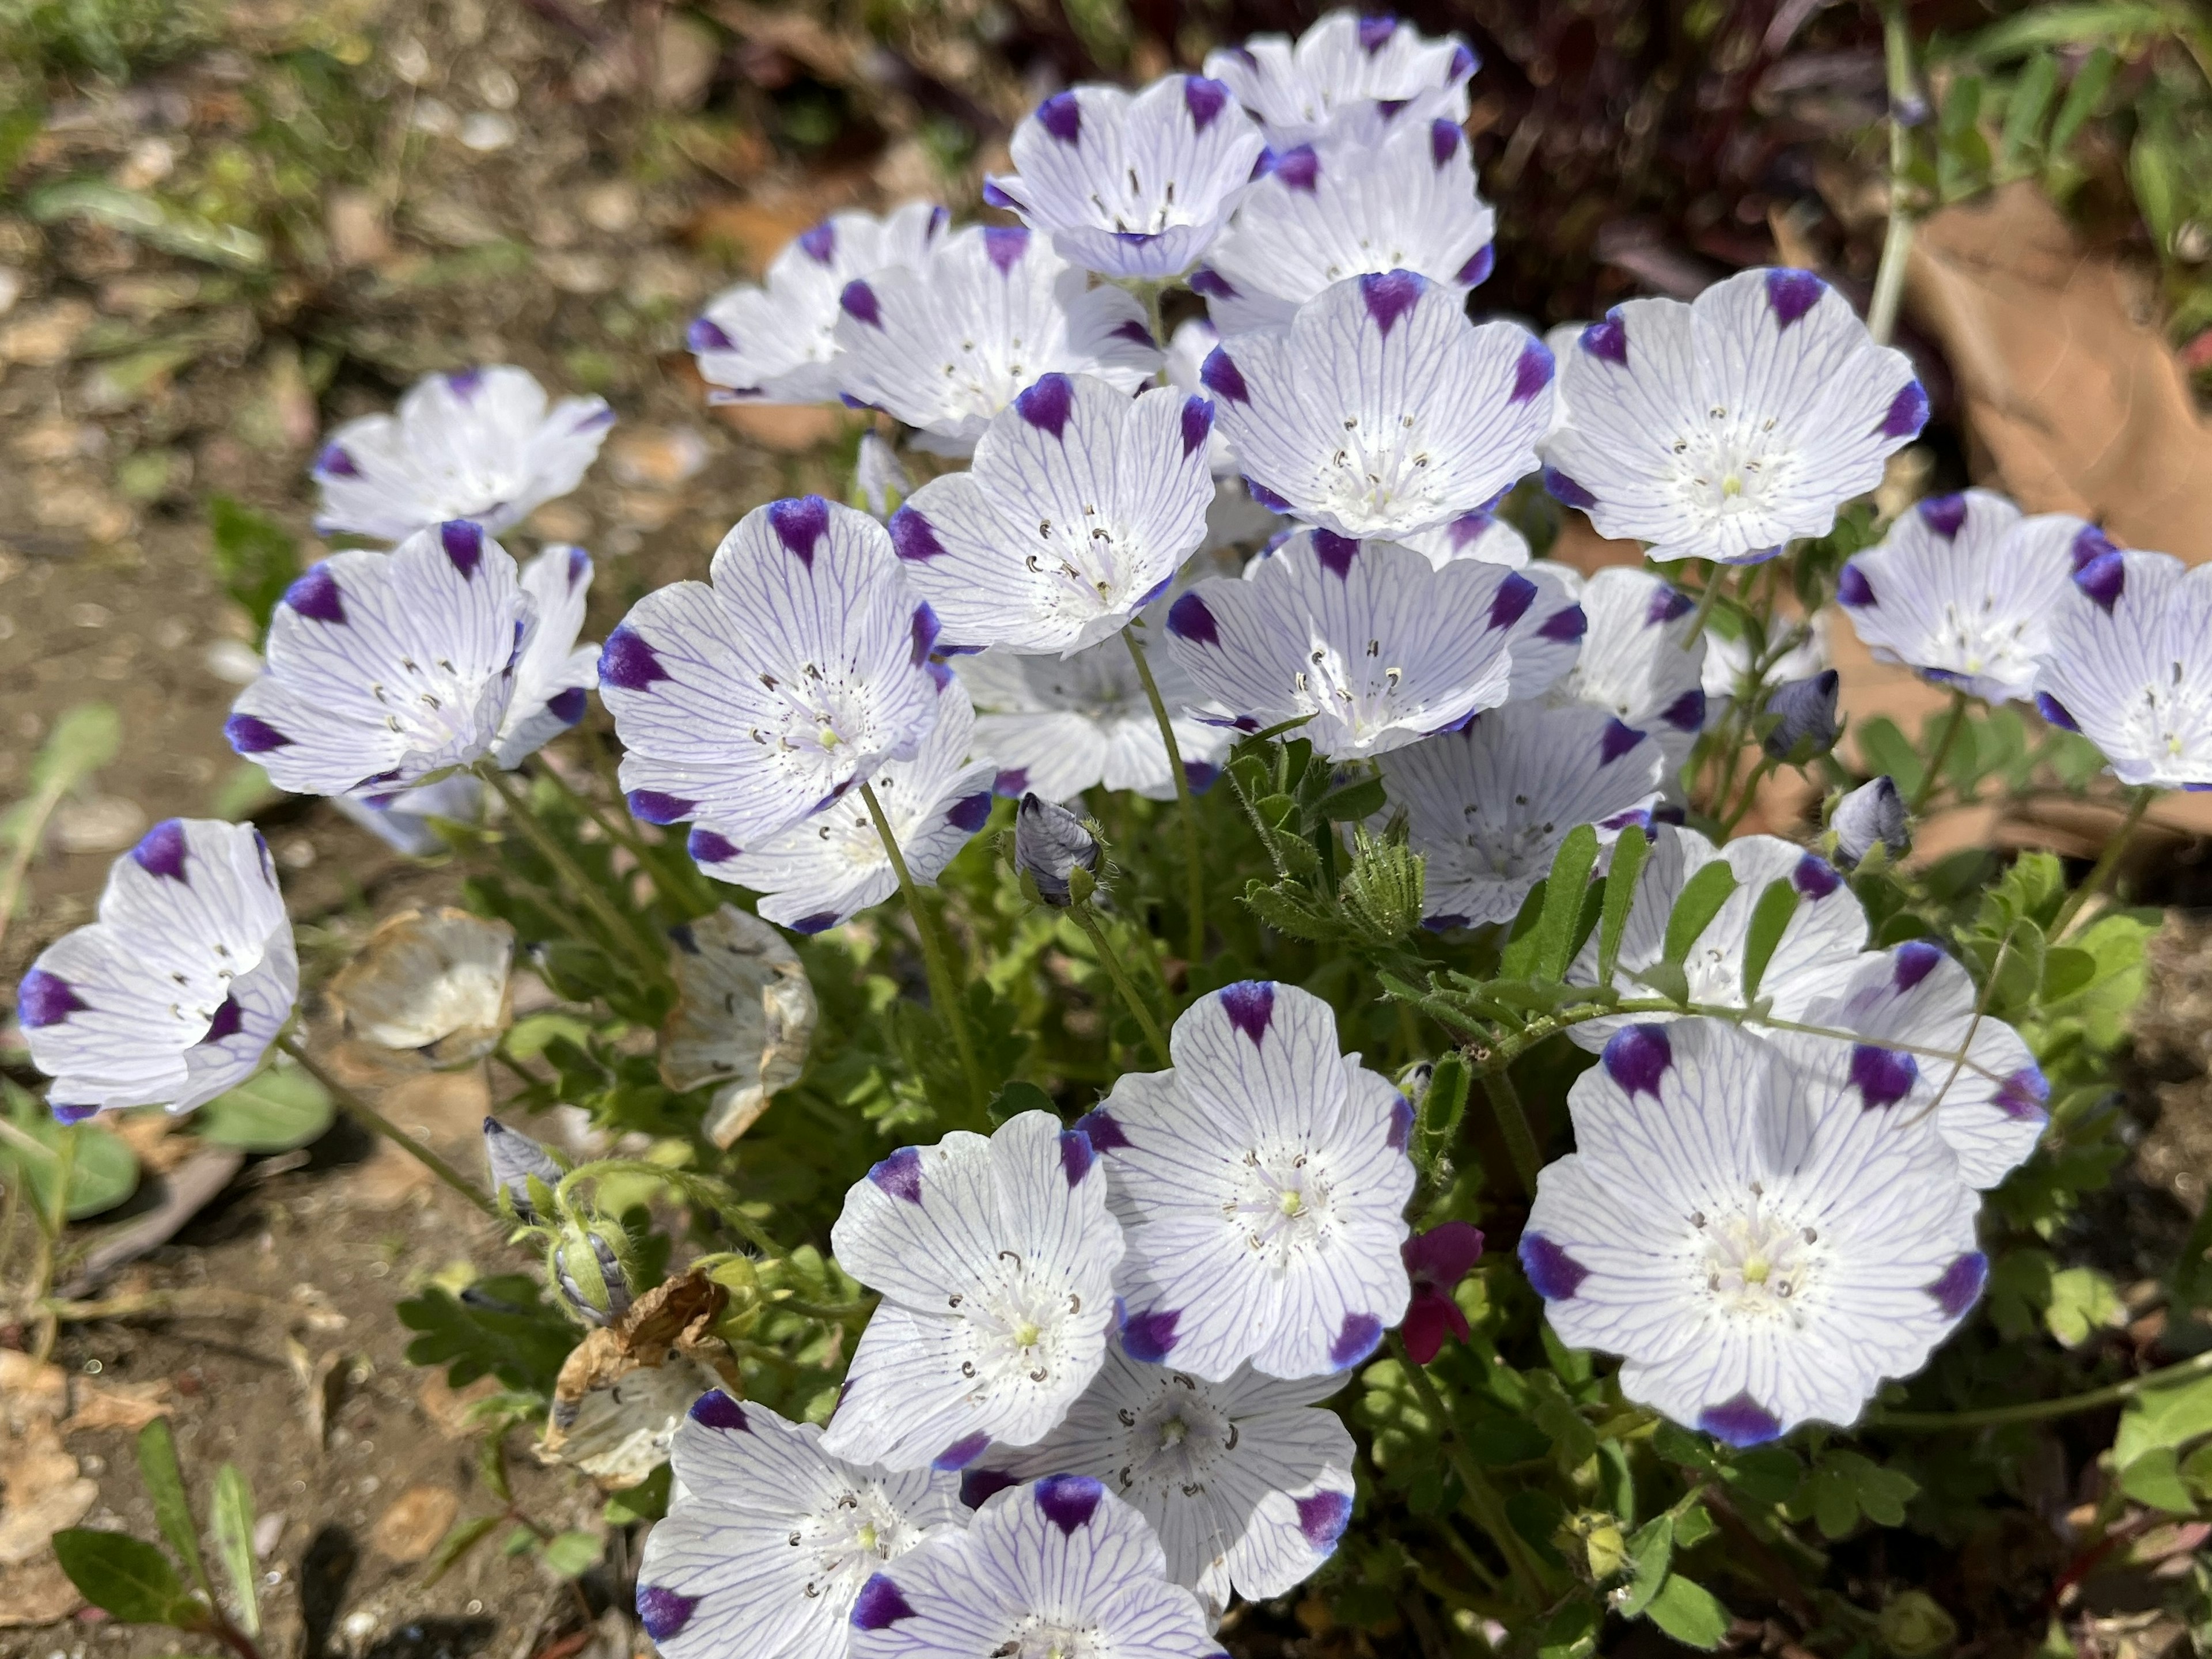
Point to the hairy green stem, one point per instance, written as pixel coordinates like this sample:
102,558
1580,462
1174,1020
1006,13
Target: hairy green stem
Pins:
944,988
1194,872
1897,242
1513,1123
671,875
1082,918
1952,727
2037,1411
2107,864
1485,1506
370,1118
622,928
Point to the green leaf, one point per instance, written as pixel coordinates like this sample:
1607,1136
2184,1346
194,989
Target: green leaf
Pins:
2153,172
1562,900
464,1537
84,738
1769,918
1570,1634
1629,853
157,223
255,556
1518,959
2155,1478
1651,1551
233,1518
573,1554
1017,1098
1887,750
281,1108
647,1501
2030,102
2164,1419
2082,1301
165,1487
127,1578
1688,1612
2090,82
103,1173
1700,901
502,1328
1445,1105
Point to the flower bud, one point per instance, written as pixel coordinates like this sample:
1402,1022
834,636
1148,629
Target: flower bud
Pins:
514,1158
1804,712
1915,1623
590,1272
1055,849
877,478
1871,815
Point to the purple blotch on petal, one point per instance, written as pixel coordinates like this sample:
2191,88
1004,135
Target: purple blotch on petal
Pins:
1204,99
1961,1283
2055,711
1401,1124
820,243
1190,619
1514,594
1908,411
1667,604
912,537
226,1022
1462,62
1476,271
2090,544
1335,552
1944,515
1739,1422
900,1174
971,812
463,540
1322,1518
705,334
1618,740
1361,1334
717,1411
1814,877
250,734
1200,776
1563,488
627,662
1554,1274
1250,1005
657,807
1005,245
1637,1056
1265,496
663,1611
161,851
567,706
2104,579
1062,116
858,301
1444,140
799,524
1389,295
1374,32
1103,1132
1069,1501
1913,961
1792,293
994,195
45,998
1298,168
1688,712
1564,627
1150,1337
879,1604
580,567
1076,1155
1013,783
978,1487
464,384
1047,405
1210,283
1219,374
1882,1076
922,633
73,1114
2025,1094
1608,339
1135,333
1852,587
335,461
1197,421
1533,372
818,922
962,1452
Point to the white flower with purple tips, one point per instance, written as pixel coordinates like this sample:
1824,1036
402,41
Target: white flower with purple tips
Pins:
1488,806
1262,1184
1380,409
1080,506
995,1261
1725,427
777,343
1759,1248
481,445
1963,588
1234,518
174,994
2130,667
1369,643
1131,184
1317,217
827,870
1480,535
389,670
768,1538
946,347
1816,956
1923,1045
1247,1482
1347,75
1642,661
1057,1568
757,701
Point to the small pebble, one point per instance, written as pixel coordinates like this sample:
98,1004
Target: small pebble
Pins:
488,129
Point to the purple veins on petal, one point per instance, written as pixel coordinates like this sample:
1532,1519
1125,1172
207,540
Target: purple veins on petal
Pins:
227,1022
1076,1155
1150,1337
1618,739
1250,1005
1961,1284
1062,116
1005,245
1608,339
799,524
1374,32
1814,877
922,633
1103,1132
2090,544
337,462
1915,960
1739,1422
1476,271
1361,1334
820,243
1047,405
1944,515
161,850
1908,411
1190,619
1533,372
1389,295
45,998
717,1411
2055,711
914,537
1563,488
1564,626
1792,293
705,334
971,812
1322,1518
1197,420
663,1611
1204,99
2025,1094
1554,1274
1882,1076
1637,1056
1335,552
1219,374
879,1604
900,1174
655,806
1688,712
859,303
249,734
2104,579
1853,589
1515,593
463,540
627,662
1069,1501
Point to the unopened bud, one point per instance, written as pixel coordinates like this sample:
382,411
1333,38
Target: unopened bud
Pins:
591,1276
514,1158
1872,815
1804,712
1056,851
877,478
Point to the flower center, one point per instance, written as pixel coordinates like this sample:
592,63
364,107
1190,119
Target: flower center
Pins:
1170,1444
1013,1328
1036,1638
848,1539
1282,1204
1364,698
1726,467
1372,473
1758,1256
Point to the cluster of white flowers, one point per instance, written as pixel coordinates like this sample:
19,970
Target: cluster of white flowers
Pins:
1122,1332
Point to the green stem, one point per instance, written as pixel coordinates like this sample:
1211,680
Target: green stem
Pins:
1897,242
943,989
1767,764
1952,727
1513,1124
2036,1411
1194,870
370,1118
620,927
671,876
1714,577
1484,1503
2108,862
1080,914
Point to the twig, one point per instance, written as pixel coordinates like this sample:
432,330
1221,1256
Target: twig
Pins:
1951,729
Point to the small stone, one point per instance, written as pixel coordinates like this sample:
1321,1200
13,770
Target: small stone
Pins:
560,521
579,273
233,661
497,87
411,1529
786,428
658,457
151,160
683,67
105,823
11,288
355,220
358,1626
46,335
488,130
611,207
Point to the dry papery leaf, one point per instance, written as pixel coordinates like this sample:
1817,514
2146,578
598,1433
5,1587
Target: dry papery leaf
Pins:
624,1389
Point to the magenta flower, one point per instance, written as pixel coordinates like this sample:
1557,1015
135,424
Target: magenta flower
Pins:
1436,1261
